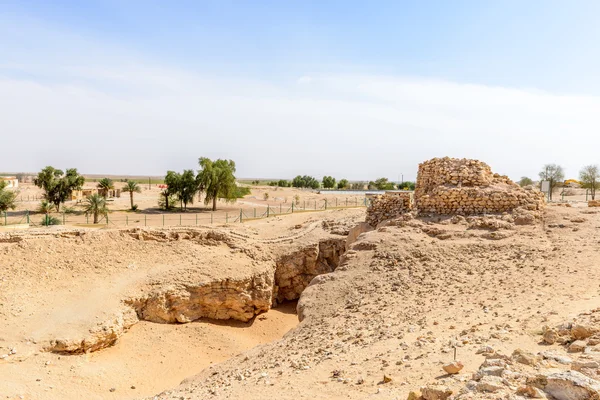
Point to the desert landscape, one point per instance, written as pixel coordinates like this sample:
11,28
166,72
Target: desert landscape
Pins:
470,287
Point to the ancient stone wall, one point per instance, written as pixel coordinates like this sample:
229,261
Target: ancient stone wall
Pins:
388,206
466,187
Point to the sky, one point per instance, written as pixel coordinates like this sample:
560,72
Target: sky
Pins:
352,89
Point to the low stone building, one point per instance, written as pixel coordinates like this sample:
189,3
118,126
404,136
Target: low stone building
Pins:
12,181
451,186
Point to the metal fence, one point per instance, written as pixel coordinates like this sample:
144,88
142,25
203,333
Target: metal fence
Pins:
174,218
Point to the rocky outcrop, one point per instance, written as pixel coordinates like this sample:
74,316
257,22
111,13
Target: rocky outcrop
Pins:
294,271
240,299
99,337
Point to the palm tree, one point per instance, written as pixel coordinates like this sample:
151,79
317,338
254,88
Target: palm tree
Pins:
45,207
131,187
96,205
104,185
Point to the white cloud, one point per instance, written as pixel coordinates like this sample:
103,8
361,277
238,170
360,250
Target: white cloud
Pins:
147,120
304,80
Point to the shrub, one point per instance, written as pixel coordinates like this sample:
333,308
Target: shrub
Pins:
135,207
48,220
266,196
242,191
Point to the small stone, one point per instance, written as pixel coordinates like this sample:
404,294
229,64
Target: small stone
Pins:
524,357
530,391
490,384
414,395
550,336
580,332
453,367
577,346
386,379
133,386
485,350
112,389
435,392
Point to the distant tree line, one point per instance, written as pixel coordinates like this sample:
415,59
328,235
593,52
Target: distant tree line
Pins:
589,178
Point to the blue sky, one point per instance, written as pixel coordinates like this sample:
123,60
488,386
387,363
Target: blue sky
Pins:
259,81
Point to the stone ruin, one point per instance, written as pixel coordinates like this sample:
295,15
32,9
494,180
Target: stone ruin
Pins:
451,186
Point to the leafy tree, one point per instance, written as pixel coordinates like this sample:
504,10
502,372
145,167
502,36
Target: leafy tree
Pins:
273,183
283,183
358,186
104,185
328,182
184,186
382,184
166,200
554,174
305,182
57,185
590,177
8,198
266,196
217,179
95,205
188,187
343,184
132,187
525,181
407,185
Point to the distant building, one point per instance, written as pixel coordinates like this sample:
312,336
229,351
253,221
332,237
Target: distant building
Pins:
12,181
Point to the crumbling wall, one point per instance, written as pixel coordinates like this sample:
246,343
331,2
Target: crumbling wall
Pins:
388,206
466,187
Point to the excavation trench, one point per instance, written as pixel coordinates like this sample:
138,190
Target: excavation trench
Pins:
280,279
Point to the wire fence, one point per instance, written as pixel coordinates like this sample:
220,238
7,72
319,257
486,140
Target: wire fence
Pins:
18,219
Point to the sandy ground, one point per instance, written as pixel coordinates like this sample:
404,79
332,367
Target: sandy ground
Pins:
402,299
60,283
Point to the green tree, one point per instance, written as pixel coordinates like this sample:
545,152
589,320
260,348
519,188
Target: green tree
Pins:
382,184
589,176
343,184
45,207
187,188
525,181
283,183
358,185
8,198
328,182
554,174
104,185
305,182
217,180
96,205
131,187
57,185
407,185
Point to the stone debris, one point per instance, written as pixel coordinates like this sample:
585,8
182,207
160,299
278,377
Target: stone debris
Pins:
453,367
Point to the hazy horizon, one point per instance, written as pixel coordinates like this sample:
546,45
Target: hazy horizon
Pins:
349,89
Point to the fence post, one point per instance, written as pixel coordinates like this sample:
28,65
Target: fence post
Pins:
64,217
127,220
179,219
87,218
5,223
27,217
196,219
241,215
292,207
226,218
145,221
106,219
305,205
326,204
254,212
267,211
163,219
211,218
336,202
279,208
315,204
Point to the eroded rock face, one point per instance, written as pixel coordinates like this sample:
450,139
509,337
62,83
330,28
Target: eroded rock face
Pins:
225,299
102,336
294,272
